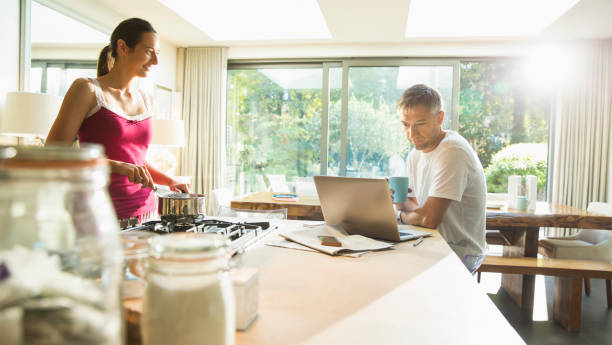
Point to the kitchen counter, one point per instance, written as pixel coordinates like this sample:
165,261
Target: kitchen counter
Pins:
417,295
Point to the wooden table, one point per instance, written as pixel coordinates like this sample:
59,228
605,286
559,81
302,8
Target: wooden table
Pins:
519,228
521,231
399,296
306,208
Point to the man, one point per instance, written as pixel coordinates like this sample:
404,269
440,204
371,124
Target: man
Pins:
446,177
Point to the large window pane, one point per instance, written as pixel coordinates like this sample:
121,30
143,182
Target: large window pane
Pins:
506,122
376,143
73,73
273,125
54,81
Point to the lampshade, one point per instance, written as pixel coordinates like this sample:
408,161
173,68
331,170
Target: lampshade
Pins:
168,132
29,114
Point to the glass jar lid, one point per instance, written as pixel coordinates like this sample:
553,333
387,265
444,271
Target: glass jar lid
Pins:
85,152
136,243
185,246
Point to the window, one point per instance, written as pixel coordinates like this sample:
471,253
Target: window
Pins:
273,124
505,120
340,118
55,77
376,145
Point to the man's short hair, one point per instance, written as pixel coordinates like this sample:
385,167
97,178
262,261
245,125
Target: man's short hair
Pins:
420,94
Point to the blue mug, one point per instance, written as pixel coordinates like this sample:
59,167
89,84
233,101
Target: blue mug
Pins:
399,185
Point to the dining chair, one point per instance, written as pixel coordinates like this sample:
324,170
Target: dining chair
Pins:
222,196
278,183
585,245
261,184
226,211
305,188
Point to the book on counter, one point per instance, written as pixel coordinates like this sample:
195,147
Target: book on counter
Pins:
284,197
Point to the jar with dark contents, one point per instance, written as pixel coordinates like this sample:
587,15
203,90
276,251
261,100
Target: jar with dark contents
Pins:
60,255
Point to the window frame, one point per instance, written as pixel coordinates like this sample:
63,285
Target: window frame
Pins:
63,65
346,63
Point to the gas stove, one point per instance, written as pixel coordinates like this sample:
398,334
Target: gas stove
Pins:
240,233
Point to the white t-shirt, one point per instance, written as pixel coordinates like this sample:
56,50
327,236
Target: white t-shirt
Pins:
452,171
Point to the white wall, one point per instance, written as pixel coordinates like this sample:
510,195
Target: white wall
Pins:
9,57
66,52
414,49
164,73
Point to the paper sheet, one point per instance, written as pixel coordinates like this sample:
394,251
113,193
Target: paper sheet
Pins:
350,243
283,243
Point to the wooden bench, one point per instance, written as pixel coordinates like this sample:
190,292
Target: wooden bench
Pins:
567,303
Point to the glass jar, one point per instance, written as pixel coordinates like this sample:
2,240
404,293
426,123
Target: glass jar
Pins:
189,298
135,251
60,255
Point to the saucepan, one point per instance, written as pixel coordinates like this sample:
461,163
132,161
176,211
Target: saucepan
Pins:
181,204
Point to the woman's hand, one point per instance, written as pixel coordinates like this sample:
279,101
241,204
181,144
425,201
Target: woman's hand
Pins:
138,174
179,187
163,179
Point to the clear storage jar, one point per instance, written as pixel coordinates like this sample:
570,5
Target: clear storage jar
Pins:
135,252
189,298
60,256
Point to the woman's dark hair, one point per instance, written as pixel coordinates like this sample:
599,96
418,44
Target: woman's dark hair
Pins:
105,61
130,31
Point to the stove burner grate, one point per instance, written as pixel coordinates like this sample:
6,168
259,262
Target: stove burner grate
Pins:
241,234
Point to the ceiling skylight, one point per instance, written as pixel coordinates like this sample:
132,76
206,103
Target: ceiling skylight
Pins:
231,20
483,18
51,27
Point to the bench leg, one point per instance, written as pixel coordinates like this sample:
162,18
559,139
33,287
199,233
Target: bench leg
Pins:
567,302
521,287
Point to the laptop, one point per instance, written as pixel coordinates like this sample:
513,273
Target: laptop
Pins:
362,206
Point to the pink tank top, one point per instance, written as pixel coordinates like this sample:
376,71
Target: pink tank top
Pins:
125,139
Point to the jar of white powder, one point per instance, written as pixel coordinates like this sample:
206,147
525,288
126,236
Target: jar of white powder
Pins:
189,297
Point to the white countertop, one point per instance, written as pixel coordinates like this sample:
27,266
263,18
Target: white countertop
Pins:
416,295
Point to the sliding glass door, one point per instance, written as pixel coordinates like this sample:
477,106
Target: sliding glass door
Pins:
376,145
330,118
273,125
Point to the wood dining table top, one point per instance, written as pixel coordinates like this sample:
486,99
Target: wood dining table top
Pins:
545,215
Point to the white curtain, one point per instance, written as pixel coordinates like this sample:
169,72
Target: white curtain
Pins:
580,136
204,78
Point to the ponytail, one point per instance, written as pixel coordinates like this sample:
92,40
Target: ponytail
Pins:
105,61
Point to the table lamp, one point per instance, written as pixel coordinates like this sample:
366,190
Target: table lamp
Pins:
166,133
29,114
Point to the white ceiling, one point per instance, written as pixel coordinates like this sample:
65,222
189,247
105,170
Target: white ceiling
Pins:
349,21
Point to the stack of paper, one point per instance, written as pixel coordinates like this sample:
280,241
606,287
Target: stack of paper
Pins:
350,243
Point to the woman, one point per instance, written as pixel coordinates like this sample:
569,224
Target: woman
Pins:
108,110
